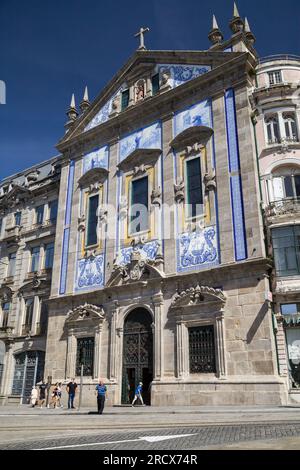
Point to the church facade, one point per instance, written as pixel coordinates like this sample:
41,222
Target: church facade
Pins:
161,273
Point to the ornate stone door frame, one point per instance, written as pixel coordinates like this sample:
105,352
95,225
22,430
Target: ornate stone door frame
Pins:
193,307
118,316
84,321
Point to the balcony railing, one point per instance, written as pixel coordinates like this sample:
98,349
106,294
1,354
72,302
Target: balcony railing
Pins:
283,207
283,140
270,58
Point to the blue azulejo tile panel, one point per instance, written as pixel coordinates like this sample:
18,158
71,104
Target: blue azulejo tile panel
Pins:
98,158
90,273
196,250
198,114
69,193
148,137
238,219
104,112
64,261
148,251
232,138
181,73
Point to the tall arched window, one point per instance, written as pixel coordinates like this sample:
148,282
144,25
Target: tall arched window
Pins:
272,129
290,126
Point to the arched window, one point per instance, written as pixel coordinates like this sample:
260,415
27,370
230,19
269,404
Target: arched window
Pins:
286,184
272,129
290,126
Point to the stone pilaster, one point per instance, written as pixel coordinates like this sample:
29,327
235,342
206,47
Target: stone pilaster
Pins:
71,354
8,368
182,350
113,342
158,337
97,352
281,348
221,354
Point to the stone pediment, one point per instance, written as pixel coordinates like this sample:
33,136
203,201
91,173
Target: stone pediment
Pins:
191,136
5,294
94,175
197,295
174,68
15,196
37,283
137,270
139,156
86,312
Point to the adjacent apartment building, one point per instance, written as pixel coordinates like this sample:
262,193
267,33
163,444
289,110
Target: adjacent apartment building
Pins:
177,192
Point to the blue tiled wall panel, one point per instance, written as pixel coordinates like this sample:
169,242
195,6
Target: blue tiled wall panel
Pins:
238,218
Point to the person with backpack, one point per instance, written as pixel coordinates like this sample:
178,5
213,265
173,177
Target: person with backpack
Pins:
138,394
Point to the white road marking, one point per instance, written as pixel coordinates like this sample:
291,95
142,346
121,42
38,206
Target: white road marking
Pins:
145,438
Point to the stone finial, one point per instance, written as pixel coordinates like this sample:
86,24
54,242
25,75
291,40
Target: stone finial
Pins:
236,24
72,113
215,36
235,11
249,35
85,103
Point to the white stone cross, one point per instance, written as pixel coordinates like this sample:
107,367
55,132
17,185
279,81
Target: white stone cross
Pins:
141,34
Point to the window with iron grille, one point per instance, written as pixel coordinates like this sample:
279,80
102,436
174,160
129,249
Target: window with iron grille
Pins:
91,238
85,356
124,99
202,349
155,84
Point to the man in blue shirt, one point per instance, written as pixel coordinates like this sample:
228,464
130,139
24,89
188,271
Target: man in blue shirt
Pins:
101,394
138,394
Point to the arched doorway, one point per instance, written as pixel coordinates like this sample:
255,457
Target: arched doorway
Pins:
29,370
137,355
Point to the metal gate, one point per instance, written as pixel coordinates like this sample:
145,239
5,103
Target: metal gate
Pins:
29,370
137,355
202,349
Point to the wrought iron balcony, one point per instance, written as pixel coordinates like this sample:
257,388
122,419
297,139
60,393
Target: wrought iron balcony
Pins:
283,207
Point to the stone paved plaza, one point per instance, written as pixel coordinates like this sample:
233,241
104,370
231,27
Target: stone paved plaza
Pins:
151,428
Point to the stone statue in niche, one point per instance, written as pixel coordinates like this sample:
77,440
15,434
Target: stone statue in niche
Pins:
115,106
140,90
165,80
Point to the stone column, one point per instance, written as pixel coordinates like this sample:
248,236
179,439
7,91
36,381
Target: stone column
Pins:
131,95
71,354
8,368
113,341
221,353
158,337
119,355
97,352
148,86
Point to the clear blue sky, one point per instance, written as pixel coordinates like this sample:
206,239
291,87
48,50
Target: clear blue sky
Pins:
51,48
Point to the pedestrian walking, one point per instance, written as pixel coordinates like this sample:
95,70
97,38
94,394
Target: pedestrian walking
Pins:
71,389
42,392
59,394
54,396
101,392
33,396
138,394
